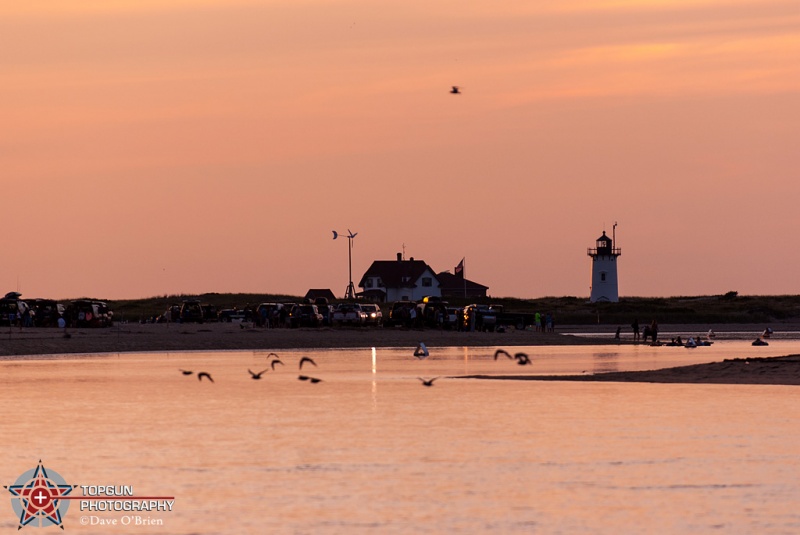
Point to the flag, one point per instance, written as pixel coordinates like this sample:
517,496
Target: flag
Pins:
460,268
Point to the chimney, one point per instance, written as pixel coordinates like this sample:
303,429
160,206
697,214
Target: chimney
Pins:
399,257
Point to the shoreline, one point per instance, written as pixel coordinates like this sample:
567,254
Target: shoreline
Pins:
740,371
135,338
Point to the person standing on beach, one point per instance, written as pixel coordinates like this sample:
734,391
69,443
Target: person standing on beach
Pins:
654,331
635,326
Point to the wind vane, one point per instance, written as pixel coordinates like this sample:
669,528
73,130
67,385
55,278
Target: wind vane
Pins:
350,293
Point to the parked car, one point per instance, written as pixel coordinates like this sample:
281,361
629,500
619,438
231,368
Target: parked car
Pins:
191,312
45,312
210,312
374,314
305,316
89,313
400,314
229,315
9,308
350,313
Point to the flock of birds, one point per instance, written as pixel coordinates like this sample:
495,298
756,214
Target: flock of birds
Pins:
421,352
276,360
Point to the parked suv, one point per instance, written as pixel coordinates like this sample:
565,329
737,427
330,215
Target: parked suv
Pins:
374,314
400,313
350,313
305,316
191,311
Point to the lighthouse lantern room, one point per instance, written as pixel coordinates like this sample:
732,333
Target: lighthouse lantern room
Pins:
605,287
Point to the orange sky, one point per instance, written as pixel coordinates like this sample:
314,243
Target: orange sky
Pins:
159,147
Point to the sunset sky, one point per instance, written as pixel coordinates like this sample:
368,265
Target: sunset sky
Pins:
154,147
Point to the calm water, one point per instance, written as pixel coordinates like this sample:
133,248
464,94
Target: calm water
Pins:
369,450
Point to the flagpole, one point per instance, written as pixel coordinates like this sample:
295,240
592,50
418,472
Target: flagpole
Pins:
464,274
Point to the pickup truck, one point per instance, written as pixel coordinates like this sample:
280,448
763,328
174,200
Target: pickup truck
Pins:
349,313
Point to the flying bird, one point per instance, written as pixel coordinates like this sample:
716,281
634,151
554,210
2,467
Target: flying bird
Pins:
502,352
427,382
204,374
274,362
186,372
256,375
421,352
307,378
522,358
455,91
306,359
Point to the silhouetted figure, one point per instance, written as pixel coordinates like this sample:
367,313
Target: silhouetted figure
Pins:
455,90
186,372
427,382
274,362
204,374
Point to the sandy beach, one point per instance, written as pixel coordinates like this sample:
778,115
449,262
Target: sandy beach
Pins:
127,338
234,336
751,371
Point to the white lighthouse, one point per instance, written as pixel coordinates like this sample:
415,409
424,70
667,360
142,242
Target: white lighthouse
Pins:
605,287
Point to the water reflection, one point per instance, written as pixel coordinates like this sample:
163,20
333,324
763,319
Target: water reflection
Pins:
605,362
462,456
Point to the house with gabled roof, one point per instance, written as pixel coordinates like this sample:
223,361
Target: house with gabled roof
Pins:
457,286
399,280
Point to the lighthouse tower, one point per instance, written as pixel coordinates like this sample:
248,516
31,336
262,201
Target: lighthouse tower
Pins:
604,270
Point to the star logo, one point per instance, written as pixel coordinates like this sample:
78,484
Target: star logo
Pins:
36,497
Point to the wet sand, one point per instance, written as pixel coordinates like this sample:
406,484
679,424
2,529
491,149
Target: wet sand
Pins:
234,336
750,371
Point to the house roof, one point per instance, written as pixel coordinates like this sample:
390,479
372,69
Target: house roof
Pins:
449,281
313,293
392,272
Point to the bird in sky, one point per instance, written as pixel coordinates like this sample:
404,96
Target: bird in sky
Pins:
309,379
306,359
427,382
456,90
204,374
256,376
502,352
276,361
522,358
186,372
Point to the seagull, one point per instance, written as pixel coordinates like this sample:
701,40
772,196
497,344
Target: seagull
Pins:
427,382
186,372
204,374
307,378
455,90
502,352
306,359
256,375
522,358
421,352
274,362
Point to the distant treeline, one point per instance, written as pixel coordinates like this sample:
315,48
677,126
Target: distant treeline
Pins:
727,308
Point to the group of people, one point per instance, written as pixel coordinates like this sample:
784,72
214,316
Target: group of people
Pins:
649,331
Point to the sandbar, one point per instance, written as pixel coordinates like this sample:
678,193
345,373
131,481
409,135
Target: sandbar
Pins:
740,371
